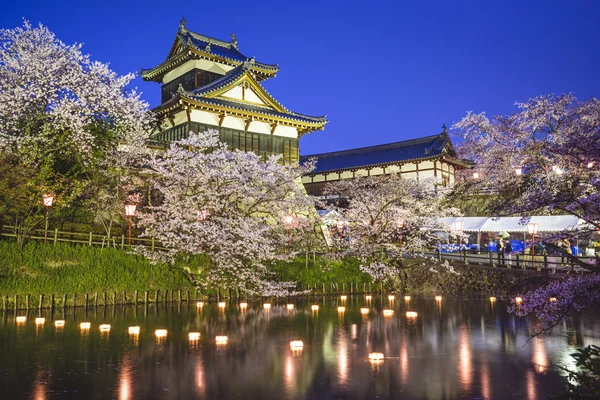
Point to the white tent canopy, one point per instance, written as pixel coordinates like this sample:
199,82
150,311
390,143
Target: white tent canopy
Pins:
550,223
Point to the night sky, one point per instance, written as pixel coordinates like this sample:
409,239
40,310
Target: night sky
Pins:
381,71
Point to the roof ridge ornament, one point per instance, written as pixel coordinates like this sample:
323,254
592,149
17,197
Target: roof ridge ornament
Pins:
207,48
182,24
234,41
181,90
445,128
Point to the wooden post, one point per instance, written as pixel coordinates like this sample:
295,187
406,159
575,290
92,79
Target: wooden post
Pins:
55,236
122,241
114,302
490,257
95,299
52,302
156,298
135,301
124,297
145,297
152,243
343,287
323,287
104,299
4,299
166,296
41,301
545,261
90,241
188,295
86,300
17,302
27,302
179,295
74,299
64,301
517,259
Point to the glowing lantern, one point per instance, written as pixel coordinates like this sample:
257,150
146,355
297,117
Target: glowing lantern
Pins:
200,304
343,298
160,333
21,319
407,298
519,171
590,164
85,325
267,306
475,175
296,344
314,307
458,226
193,336
47,200
364,311
59,323
243,306
552,299
388,313
438,298
221,339
40,321
134,330
376,357
411,314
290,306
518,300
391,297
532,228
341,309
492,299
221,304
368,297
104,328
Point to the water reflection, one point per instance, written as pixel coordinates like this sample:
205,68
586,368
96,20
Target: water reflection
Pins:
438,354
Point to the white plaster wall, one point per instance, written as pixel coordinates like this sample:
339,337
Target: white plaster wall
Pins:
377,171
180,118
346,175
234,123
392,169
286,131
426,174
205,117
361,172
259,127
306,179
319,178
235,93
409,167
426,164
444,166
251,96
333,177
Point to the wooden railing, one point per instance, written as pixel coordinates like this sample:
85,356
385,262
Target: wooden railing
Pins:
86,238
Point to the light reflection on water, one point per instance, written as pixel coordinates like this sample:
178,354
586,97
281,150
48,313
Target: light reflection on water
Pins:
465,348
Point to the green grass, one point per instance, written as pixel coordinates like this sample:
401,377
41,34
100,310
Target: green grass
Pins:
323,271
47,269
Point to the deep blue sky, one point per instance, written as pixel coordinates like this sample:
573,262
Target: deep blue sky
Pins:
381,71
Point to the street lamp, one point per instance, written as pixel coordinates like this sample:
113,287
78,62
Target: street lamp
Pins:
532,229
288,220
47,200
130,212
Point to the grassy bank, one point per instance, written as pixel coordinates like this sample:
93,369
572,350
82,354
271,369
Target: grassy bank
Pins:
45,269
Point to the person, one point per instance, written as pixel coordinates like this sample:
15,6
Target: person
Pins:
566,245
508,251
500,251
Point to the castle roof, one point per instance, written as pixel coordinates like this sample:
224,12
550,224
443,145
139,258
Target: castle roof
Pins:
428,147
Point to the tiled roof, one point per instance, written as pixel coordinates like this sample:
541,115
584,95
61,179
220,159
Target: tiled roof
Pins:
406,150
218,47
201,94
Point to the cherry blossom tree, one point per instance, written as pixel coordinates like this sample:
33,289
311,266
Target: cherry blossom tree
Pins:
63,118
229,206
554,143
389,222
